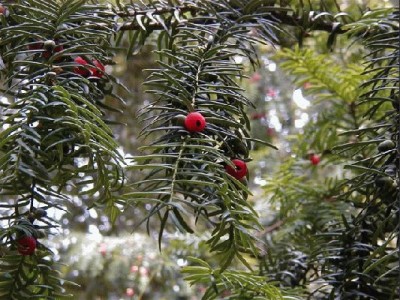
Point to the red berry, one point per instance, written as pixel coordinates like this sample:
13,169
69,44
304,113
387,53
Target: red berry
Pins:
315,159
270,132
256,77
81,70
257,116
35,46
240,169
59,48
271,93
3,10
48,53
134,269
26,245
195,122
80,60
103,249
130,292
99,70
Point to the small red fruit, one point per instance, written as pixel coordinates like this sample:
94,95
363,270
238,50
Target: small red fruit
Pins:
103,249
59,48
315,159
48,53
130,292
271,93
240,169
270,132
26,245
256,77
257,116
35,46
99,70
195,122
81,70
3,10
134,269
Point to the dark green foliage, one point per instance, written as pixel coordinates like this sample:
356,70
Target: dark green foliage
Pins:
54,131
353,253
364,245
55,136
31,276
198,72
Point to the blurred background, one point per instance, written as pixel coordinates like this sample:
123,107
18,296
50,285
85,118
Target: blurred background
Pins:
121,260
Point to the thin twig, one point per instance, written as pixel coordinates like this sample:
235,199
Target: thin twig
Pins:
282,18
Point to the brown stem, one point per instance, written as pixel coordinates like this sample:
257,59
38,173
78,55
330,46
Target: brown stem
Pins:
272,227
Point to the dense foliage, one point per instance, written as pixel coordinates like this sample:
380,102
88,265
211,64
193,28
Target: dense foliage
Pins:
330,237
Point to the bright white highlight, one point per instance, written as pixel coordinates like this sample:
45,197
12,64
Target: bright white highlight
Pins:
300,101
271,67
300,123
274,120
